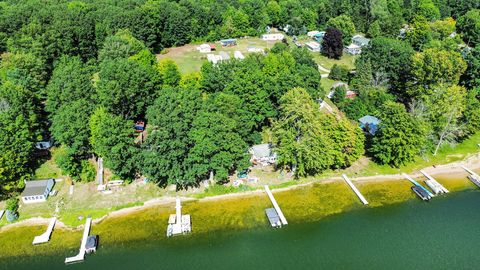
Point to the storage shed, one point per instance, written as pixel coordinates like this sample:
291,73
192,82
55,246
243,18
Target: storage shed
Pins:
37,191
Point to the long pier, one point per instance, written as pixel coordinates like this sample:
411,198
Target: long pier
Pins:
434,184
354,188
417,184
473,176
81,254
275,205
45,237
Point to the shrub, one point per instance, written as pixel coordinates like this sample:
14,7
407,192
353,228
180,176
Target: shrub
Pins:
339,73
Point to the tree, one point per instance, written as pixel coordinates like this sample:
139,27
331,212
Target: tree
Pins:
217,147
120,45
345,25
445,106
339,73
435,66
71,80
309,141
112,138
18,132
374,30
399,138
471,115
470,78
469,26
332,44
166,149
126,87
169,74
427,9
419,33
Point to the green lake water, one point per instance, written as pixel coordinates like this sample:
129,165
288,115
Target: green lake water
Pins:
441,234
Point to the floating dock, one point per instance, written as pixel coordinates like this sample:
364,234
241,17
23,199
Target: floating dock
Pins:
1,213
178,223
418,185
354,188
45,237
433,184
273,217
421,193
473,176
275,205
81,254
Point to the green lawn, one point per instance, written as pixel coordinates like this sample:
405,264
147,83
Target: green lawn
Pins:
190,60
346,60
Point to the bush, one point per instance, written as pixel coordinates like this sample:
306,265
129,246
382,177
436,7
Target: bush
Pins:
339,73
88,171
12,209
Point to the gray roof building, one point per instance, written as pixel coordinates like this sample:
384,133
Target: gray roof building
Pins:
37,191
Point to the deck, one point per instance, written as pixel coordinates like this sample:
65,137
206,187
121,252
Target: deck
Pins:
354,188
81,254
45,237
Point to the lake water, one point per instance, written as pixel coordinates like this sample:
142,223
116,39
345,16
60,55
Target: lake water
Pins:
441,234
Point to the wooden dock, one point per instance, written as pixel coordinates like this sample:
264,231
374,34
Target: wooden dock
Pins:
354,188
81,255
433,184
473,176
275,205
417,184
45,237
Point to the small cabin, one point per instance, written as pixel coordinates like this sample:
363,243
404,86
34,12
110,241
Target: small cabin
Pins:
228,42
37,191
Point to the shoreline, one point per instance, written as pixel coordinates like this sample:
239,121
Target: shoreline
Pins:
445,170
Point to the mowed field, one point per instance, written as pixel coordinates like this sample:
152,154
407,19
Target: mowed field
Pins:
189,59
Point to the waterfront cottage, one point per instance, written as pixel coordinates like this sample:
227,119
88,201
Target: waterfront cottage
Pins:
273,37
37,191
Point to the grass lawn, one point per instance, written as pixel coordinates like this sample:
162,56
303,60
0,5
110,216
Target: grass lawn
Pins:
48,170
327,84
346,60
190,60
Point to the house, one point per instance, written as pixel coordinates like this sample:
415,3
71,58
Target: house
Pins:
224,56
353,49
204,48
319,36
369,124
313,46
37,191
310,34
273,37
360,40
238,55
263,154
228,42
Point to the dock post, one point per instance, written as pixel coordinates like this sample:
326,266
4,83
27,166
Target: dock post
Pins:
354,188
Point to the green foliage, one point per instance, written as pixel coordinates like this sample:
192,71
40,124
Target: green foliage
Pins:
126,87
339,94
471,116
12,204
121,45
419,33
470,78
308,141
427,9
469,26
374,30
400,136
169,74
332,43
112,138
68,162
345,25
339,73
88,171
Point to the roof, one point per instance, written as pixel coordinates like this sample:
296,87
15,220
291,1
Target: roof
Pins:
368,119
261,150
228,40
313,44
34,188
353,46
361,40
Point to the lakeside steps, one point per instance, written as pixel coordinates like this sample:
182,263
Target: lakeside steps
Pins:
45,237
81,254
473,176
435,186
275,215
354,188
178,223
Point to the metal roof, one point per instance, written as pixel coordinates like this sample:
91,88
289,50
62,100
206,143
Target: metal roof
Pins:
35,188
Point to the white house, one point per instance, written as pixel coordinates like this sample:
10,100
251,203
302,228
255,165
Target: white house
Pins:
272,37
37,191
312,33
353,49
204,48
313,46
238,55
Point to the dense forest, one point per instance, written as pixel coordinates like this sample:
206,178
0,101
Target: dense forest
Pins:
83,72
